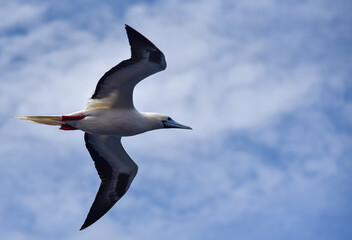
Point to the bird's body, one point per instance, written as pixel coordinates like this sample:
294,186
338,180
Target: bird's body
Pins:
122,122
110,115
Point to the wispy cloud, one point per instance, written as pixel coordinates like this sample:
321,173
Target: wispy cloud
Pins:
264,84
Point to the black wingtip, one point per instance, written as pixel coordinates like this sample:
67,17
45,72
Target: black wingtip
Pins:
127,26
89,221
84,226
137,41
130,29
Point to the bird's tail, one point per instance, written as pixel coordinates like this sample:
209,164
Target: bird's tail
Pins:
56,120
48,120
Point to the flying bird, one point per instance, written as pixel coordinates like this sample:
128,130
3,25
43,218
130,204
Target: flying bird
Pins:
110,115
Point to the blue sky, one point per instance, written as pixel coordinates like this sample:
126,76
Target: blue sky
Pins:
266,86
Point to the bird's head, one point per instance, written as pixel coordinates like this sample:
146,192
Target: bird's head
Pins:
168,122
158,121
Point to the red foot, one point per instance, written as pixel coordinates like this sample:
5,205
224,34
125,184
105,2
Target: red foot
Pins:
65,126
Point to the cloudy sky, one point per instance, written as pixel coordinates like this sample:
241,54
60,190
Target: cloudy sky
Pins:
265,84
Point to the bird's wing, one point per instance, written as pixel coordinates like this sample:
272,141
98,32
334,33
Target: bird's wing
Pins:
115,87
116,171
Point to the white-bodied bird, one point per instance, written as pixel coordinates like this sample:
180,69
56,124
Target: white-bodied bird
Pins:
110,115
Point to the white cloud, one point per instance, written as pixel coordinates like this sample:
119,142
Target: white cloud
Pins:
263,150
16,14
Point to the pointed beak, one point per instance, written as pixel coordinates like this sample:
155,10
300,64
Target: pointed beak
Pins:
173,124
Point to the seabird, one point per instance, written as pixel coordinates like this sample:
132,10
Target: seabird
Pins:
110,115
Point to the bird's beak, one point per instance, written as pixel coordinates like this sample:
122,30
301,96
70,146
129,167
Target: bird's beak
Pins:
173,124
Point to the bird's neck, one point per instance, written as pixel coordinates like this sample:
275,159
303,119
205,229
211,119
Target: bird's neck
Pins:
151,121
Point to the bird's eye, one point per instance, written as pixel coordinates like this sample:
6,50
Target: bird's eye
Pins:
169,119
